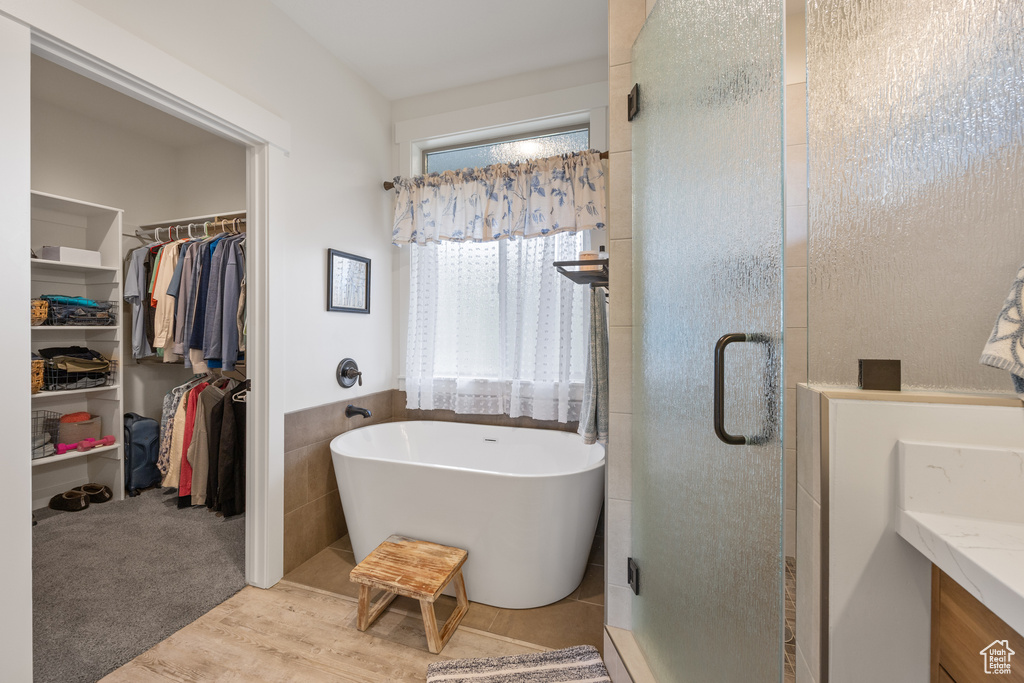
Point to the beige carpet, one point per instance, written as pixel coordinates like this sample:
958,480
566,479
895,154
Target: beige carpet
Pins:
112,581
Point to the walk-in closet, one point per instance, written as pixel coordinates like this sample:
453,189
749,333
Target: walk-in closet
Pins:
138,307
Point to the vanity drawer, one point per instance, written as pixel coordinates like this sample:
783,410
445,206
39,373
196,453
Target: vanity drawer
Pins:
961,628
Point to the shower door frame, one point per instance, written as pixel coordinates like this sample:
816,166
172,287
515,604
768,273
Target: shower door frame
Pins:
778,419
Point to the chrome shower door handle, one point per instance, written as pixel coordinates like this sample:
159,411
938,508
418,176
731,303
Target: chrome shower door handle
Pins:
724,341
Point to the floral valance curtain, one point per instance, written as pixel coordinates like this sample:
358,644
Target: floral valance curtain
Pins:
532,198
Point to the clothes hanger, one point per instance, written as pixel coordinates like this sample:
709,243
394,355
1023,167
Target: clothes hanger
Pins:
242,396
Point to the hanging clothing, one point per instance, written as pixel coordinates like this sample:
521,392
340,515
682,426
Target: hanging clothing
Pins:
231,461
185,482
188,301
161,299
205,448
149,313
188,304
173,475
134,294
210,397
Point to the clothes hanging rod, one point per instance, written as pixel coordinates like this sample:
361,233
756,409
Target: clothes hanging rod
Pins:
388,185
200,224
226,215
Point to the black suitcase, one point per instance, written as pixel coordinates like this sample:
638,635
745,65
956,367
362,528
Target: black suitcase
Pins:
141,450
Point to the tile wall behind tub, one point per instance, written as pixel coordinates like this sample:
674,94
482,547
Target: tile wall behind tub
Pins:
313,518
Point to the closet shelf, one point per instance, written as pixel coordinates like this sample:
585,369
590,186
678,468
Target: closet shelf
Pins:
78,454
72,392
75,328
46,264
595,278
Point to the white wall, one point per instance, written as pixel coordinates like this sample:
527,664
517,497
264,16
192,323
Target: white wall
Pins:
78,157
15,404
210,178
339,153
500,90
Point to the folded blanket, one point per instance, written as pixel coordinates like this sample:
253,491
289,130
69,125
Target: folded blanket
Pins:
1005,347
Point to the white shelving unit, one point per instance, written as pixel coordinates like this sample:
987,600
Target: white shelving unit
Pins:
59,221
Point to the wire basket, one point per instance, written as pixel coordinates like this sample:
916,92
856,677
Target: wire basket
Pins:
58,378
40,309
63,311
45,427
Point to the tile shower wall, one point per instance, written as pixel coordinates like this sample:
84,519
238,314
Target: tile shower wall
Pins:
625,18
313,518
796,285
808,551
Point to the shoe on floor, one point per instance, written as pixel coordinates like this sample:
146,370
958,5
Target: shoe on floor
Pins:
70,501
98,493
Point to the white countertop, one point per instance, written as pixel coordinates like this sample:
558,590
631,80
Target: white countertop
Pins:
962,507
984,556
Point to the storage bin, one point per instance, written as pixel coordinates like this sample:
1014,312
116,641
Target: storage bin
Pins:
73,432
79,311
37,375
40,308
45,430
82,257
67,374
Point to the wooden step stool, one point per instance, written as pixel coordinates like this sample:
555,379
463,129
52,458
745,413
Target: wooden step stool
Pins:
417,570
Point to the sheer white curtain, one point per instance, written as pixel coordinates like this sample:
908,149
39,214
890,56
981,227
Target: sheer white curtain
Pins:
494,328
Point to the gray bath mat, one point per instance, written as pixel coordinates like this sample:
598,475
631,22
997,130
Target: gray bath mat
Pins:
580,664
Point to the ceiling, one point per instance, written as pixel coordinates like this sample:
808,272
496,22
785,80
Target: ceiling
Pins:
58,86
410,47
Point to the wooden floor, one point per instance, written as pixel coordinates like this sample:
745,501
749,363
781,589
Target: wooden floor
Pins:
294,633
576,620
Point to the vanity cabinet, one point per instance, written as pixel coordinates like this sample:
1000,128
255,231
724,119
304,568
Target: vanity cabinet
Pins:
962,627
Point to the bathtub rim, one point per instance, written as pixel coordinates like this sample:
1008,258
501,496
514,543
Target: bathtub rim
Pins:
593,466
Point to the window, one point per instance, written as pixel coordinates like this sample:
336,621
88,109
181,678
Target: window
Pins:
493,327
506,151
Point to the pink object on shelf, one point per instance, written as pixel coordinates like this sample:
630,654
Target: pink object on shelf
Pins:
84,445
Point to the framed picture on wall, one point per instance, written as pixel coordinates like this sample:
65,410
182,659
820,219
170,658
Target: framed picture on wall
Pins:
348,282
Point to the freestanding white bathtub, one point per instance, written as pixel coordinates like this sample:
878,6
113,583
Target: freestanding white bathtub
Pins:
524,502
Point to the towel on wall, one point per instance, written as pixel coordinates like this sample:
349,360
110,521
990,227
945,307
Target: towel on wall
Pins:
594,413
1005,347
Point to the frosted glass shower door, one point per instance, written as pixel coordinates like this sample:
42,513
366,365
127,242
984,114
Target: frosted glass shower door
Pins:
707,249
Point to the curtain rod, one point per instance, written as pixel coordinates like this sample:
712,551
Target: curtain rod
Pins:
388,185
